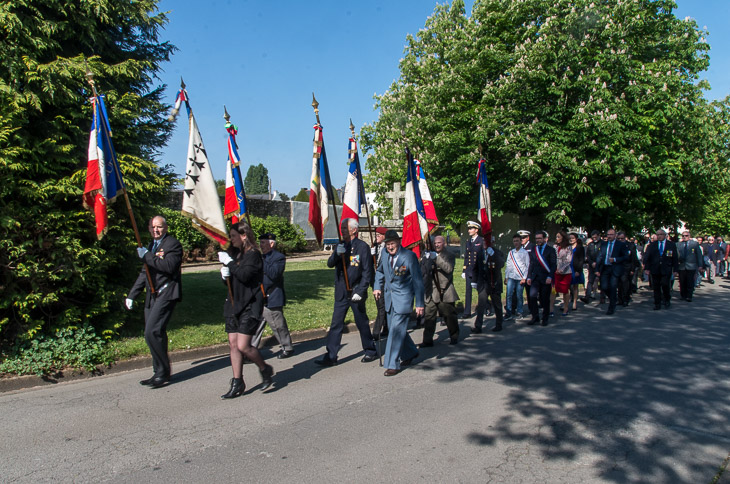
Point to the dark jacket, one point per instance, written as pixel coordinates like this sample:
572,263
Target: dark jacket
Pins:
537,272
274,265
164,266
619,252
359,263
486,277
661,264
579,254
689,259
470,254
632,262
247,274
592,251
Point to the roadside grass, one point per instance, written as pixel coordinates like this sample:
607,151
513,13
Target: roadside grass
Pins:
198,319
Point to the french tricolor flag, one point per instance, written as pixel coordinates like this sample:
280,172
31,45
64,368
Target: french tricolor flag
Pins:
485,202
354,195
415,226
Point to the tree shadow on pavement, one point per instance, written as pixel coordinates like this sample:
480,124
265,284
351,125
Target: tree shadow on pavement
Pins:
637,394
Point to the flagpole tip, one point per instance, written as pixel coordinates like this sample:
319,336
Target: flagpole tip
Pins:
226,116
352,128
315,105
182,83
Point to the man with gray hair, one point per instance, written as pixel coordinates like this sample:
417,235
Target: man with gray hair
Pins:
440,294
660,261
351,255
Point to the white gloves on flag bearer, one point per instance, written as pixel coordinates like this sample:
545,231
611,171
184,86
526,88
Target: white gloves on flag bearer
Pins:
373,250
224,258
356,297
141,251
431,255
340,249
225,272
490,251
128,303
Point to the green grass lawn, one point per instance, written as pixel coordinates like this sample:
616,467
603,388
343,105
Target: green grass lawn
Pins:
198,320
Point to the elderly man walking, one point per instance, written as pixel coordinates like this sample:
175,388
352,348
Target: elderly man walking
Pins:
399,281
440,294
690,260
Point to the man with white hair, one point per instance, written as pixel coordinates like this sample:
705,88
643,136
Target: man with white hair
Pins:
351,255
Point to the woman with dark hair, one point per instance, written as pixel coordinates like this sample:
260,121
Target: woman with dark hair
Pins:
576,266
243,266
563,273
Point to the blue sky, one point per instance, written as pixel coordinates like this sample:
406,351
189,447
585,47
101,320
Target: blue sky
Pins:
263,60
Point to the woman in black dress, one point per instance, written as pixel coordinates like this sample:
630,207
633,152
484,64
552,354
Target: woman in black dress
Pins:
244,268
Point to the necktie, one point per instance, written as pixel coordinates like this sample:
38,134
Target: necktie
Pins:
684,255
155,245
661,248
392,262
608,252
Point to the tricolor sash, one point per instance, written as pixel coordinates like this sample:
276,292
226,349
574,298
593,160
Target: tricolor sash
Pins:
514,261
541,260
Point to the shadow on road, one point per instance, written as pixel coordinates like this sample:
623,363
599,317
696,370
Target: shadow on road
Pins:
595,382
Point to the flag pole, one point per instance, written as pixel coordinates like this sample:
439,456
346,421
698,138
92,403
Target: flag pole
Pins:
92,83
315,105
367,211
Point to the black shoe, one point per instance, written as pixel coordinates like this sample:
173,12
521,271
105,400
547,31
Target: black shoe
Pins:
507,316
586,300
657,307
533,322
408,361
267,377
476,330
236,390
368,358
711,281
626,304
285,354
159,381
689,299
544,323
465,316
667,304
454,341
489,312
497,328
147,382
426,345
602,301
610,311
326,361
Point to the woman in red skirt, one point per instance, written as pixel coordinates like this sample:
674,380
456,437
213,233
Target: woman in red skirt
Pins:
564,273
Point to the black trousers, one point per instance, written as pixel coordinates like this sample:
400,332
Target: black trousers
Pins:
624,288
448,312
483,305
592,284
334,337
156,317
687,283
539,291
609,285
660,284
467,297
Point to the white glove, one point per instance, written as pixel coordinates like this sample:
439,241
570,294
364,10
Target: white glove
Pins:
224,258
463,275
373,250
141,251
340,249
225,272
490,251
129,303
474,285
356,298
433,255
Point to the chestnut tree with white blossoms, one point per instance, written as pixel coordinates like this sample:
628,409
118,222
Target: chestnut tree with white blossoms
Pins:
588,113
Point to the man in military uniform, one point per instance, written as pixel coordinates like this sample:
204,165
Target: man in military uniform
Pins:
488,283
473,245
352,255
438,276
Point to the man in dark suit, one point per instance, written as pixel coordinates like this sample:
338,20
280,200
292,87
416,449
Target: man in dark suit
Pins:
593,248
631,265
399,282
543,261
661,261
488,283
689,256
163,257
274,266
380,326
610,267
473,245
353,255
437,269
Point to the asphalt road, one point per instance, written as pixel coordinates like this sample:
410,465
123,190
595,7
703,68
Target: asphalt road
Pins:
641,396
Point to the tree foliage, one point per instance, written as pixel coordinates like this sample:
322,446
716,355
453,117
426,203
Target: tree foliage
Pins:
588,113
257,180
54,273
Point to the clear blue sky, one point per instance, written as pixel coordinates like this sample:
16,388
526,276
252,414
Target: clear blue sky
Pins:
263,60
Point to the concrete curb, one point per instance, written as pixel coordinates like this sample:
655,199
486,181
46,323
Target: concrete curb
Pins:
9,384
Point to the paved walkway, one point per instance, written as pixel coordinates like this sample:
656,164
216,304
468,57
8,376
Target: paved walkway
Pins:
641,396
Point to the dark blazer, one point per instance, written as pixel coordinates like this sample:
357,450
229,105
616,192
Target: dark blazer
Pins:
274,265
692,260
619,252
470,254
579,257
247,274
632,261
164,266
359,263
537,272
486,278
664,264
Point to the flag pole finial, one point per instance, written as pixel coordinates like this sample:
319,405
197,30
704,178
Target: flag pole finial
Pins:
226,116
90,77
315,105
182,83
352,129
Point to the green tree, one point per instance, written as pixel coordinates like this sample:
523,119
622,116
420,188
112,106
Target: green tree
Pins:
54,273
257,180
302,196
284,197
588,113
220,186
